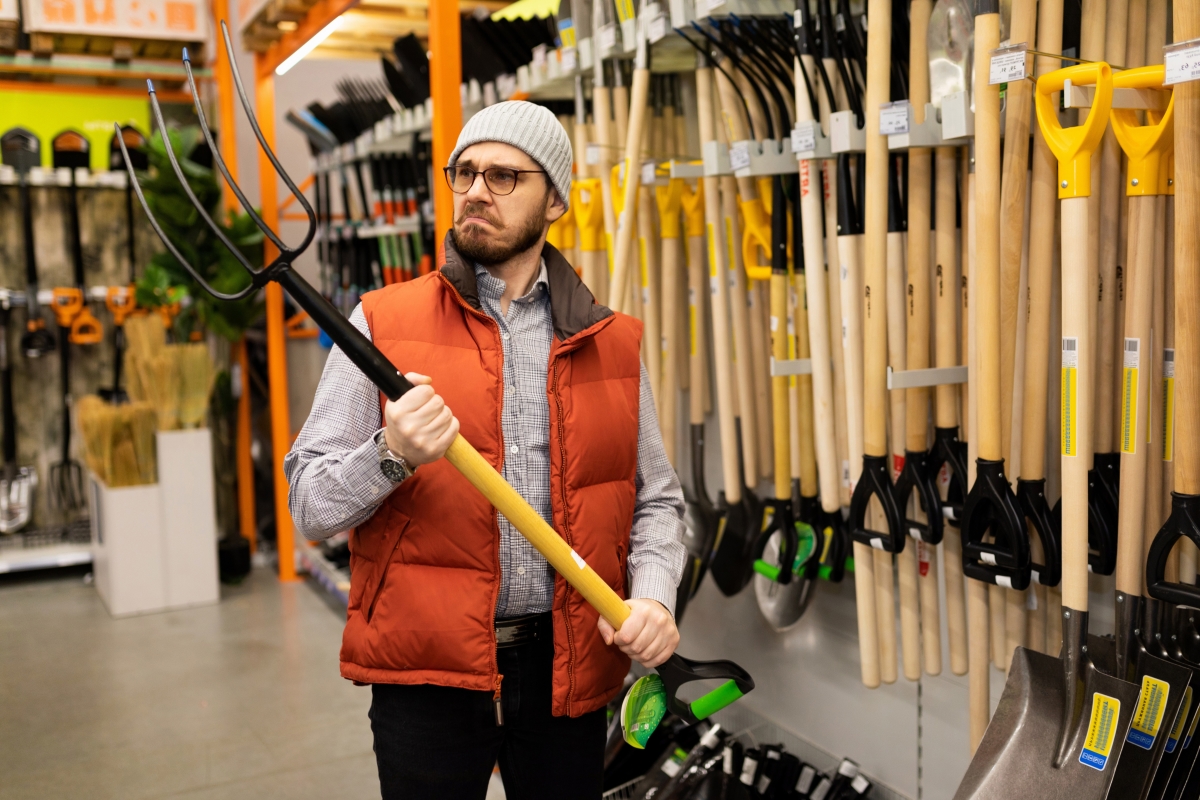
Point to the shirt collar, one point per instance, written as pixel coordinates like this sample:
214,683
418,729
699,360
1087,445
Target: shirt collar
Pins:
493,288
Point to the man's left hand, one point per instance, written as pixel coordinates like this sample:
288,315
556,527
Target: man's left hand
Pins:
648,636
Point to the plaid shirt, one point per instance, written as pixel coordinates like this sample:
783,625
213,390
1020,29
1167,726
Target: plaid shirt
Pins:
335,481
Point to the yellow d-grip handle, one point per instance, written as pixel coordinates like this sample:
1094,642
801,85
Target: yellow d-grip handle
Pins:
1145,145
693,209
756,233
562,231
670,207
1073,147
589,213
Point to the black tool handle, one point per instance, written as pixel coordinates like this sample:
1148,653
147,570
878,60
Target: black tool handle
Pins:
949,451
991,508
76,236
1031,497
679,670
876,481
357,347
918,477
1184,521
31,276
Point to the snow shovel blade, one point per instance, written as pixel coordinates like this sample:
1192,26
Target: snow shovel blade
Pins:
1016,758
1161,689
652,696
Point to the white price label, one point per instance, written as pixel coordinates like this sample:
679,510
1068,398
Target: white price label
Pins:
804,137
592,157
568,60
1132,359
893,118
671,767
1169,363
658,28
607,36
1182,62
648,168
739,156
539,56
1008,64
714,285
1070,352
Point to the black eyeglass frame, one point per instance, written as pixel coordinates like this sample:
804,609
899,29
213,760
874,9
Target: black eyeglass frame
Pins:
486,180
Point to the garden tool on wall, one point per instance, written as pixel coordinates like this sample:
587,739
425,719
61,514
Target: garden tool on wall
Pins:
21,150
1061,725
75,323
122,300
1163,683
653,695
18,483
1045,559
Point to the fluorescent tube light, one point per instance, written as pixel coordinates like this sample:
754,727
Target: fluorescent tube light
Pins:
306,48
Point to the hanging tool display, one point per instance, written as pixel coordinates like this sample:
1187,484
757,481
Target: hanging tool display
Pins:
121,301
22,151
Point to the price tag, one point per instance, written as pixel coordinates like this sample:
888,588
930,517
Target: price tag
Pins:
1008,64
607,36
658,28
1182,62
804,137
739,156
592,156
539,56
893,118
648,168
568,61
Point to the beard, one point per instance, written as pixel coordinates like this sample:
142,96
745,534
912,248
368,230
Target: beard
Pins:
488,251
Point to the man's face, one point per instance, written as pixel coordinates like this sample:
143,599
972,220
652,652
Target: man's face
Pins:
490,229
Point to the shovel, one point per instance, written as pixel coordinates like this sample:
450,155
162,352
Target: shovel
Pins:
21,150
1163,683
1060,727
670,214
17,483
653,695
122,300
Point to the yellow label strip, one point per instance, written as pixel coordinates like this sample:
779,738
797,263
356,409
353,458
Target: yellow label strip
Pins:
1070,365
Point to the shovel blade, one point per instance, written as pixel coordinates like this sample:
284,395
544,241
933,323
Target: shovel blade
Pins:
1015,760
1162,686
782,605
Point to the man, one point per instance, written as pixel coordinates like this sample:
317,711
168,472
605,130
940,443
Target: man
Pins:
475,650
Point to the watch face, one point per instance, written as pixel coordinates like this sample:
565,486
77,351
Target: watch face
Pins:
393,469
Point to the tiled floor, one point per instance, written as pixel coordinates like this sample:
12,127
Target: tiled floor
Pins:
238,700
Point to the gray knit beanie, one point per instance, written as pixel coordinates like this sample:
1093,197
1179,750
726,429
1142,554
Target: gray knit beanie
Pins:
529,127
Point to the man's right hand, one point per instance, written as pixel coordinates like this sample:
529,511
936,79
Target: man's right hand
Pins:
419,426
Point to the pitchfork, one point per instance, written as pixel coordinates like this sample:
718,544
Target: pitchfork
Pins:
465,458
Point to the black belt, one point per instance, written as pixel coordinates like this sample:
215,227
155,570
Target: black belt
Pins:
523,630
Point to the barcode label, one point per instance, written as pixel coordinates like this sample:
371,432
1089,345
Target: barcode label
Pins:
893,118
1008,64
1132,355
739,156
1070,352
804,137
1168,363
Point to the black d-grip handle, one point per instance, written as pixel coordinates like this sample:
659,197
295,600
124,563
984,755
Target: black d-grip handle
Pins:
782,520
991,508
732,563
876,481
916,476
679,670
1031,497
1184,521
948,450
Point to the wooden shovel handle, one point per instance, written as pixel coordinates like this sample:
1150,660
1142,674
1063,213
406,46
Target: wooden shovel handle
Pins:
624,257
986,287
1187,278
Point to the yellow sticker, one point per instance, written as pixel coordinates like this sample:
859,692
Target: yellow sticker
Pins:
712,251
1180,721
609,243
1129,395
1168,405
729,243
1070,365
1102,730
1148,716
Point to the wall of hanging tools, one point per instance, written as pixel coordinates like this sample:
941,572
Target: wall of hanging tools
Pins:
909,272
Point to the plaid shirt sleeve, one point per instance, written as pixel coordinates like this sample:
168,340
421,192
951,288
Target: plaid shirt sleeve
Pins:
656,551
332,470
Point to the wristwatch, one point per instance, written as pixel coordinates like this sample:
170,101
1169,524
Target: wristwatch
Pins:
393,467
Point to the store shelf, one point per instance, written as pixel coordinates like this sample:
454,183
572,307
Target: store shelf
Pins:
46,548
336,581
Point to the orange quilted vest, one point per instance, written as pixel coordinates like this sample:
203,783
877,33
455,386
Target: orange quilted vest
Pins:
425,572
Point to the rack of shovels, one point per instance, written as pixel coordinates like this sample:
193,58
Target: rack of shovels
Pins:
797,221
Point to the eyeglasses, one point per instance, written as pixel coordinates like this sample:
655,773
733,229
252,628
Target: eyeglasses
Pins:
499,180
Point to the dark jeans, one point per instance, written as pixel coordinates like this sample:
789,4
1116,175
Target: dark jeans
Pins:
442,743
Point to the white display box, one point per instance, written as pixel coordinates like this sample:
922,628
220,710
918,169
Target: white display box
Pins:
189,517
155,547
127,547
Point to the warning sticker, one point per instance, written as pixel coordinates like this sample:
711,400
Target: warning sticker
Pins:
1102,730
1070,365
1148,717
1180,721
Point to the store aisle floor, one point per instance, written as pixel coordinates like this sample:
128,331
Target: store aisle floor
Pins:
238,700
